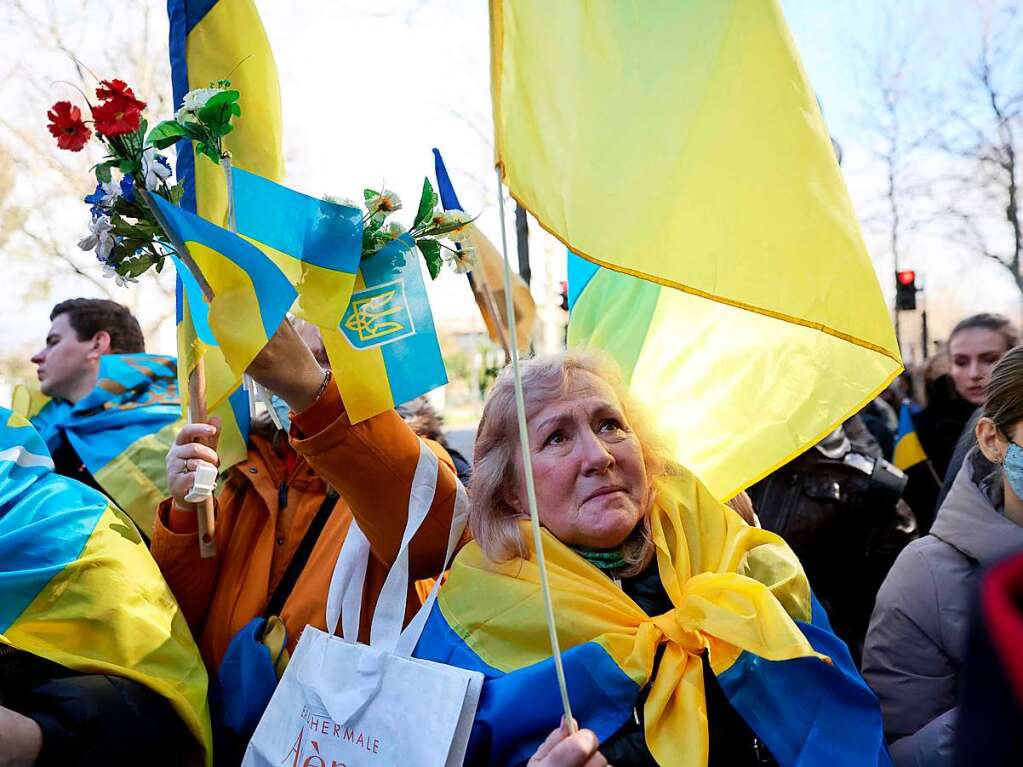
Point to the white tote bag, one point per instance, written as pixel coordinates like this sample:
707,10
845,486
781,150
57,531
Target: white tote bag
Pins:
344,704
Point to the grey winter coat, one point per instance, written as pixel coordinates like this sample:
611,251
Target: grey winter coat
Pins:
917,637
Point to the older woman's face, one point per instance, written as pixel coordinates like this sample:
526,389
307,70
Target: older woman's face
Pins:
591,482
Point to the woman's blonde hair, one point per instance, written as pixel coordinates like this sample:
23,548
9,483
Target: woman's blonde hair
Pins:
497,458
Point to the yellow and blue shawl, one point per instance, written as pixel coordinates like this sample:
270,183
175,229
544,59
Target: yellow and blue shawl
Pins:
122,430
739,594
79,588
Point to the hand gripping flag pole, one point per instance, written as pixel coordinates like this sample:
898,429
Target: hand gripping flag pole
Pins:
527,466
196,382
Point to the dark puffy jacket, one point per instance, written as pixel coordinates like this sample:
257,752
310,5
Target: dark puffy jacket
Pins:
92,720
917,638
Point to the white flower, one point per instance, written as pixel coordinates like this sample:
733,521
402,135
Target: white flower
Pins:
394,230
450,217
100,237
193,102
155,168
385,202
122,282
462,261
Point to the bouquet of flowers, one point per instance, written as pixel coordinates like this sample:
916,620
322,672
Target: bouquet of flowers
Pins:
125,234
441,235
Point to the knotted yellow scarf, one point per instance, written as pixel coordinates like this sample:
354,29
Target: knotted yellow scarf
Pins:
734,588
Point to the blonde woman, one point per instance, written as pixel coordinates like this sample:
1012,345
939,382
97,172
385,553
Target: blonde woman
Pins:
688,637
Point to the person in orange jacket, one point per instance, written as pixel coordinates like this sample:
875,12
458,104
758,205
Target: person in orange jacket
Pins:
263,512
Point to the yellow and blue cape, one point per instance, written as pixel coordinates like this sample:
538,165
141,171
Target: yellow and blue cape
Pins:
122,430
739,594
79,588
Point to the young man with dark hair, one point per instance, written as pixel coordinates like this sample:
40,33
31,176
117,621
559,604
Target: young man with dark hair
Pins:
82,330
109,405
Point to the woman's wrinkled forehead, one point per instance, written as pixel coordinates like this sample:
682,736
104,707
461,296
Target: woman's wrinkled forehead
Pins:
574,385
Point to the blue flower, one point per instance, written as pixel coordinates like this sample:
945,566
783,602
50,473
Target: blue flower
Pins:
127,189
102,199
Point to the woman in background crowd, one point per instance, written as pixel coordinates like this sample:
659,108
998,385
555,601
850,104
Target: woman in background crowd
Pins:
916,642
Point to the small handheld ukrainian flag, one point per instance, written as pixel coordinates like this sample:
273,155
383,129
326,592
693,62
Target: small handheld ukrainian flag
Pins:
908,449
385,349
246,295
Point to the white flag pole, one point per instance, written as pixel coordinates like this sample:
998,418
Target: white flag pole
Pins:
527,467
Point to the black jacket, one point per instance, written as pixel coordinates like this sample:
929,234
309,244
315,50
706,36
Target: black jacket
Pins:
89,720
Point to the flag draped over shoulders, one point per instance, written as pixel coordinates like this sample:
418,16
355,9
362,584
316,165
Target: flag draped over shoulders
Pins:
121,431
79,588
679,149
738,593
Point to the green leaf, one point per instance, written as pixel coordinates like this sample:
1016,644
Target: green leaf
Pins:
369,194
195,131
427,202
431,253
216,113
103,171
166,133
176,193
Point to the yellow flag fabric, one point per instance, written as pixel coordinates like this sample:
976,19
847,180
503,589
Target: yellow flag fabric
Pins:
211,40
681,144
489,272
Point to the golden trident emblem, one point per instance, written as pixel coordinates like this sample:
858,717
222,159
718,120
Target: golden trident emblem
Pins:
370,318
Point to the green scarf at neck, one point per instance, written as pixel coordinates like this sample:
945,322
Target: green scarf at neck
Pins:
603,559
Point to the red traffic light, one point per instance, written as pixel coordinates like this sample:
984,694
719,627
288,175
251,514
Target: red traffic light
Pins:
907,277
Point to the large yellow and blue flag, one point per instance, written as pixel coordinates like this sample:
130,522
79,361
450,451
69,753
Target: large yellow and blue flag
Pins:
908,449
211,40
735,288
733,593
121,431
78,586
385,349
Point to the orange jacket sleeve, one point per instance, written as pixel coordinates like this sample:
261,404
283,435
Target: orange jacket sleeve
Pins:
372,465
175,547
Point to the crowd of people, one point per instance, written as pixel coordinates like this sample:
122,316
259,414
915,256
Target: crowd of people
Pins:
842,610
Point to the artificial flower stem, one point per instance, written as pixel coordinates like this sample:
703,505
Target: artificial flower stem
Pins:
225,164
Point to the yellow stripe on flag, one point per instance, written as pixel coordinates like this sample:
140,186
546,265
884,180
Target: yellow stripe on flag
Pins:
361,376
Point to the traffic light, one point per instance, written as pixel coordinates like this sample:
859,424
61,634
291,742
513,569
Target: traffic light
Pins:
905,290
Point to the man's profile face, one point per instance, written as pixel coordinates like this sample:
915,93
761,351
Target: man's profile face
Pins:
65,366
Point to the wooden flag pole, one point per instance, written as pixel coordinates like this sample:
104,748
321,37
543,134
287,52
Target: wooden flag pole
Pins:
484,293
196,382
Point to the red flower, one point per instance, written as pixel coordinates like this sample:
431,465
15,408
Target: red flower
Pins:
67,127
117,116
120,111
109,89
